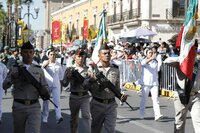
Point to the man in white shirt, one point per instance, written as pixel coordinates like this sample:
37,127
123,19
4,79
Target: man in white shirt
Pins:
54,75
149,82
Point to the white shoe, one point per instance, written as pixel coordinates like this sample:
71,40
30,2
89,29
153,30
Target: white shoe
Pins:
158,117
141,117
44,121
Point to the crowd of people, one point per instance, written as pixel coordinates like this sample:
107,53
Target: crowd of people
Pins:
54,69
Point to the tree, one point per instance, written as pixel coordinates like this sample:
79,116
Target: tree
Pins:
2,26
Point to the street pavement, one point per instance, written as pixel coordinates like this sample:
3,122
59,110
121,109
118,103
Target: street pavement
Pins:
128,121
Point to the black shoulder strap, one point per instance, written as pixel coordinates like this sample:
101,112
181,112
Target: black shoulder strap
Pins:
190,83
194,74
30,78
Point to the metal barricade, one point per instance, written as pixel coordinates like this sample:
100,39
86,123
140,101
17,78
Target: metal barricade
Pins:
131,72
168,78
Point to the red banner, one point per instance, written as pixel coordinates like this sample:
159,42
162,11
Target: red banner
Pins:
56,30
85,29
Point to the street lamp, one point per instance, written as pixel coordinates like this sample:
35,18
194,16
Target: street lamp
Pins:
70,23
1,5
36,9
9,24
95,15
77,22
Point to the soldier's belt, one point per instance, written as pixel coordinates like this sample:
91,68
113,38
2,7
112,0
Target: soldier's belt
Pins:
26,102
105,101
80,93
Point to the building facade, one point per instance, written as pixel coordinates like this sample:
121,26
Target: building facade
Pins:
51,6
73,16
165,18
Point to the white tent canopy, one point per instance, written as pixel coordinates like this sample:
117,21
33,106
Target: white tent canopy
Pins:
139,32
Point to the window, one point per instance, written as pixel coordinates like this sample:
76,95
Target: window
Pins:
179,8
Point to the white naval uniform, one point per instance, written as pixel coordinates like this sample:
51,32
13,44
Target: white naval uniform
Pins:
149,82
3,74
53,74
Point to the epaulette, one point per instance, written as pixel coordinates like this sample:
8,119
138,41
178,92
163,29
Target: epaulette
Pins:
37,66
86,67
115,66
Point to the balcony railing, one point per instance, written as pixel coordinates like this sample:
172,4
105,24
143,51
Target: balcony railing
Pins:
175,13
131,14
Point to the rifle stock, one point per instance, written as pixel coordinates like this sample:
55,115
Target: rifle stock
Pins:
79,78
108,84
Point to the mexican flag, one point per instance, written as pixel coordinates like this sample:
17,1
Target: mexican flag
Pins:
101,37
186,40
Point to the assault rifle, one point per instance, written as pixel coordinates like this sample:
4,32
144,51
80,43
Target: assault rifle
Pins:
184,94
103,81
43,92
79,78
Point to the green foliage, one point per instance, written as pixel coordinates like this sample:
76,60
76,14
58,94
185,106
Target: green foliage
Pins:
2,23
2,17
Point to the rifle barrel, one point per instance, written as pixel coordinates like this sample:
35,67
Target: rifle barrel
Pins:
129,105
53,103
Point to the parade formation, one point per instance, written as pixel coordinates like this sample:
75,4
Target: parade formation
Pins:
96,70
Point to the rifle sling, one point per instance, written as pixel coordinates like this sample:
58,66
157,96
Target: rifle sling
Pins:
31,79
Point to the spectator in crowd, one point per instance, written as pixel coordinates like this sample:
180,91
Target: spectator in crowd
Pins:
36,56
163,50
69,58
5,55
141,55
14,58
44,56
173,52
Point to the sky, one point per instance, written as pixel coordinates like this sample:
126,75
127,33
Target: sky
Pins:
36,24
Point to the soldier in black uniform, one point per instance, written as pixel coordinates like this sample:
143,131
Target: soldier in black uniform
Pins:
26,106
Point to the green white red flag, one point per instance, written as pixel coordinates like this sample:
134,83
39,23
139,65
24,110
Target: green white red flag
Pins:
186,40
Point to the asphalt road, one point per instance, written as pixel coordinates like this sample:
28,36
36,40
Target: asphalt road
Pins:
127,120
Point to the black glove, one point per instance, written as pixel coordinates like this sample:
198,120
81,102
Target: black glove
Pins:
45,97
123,97
182,96
44,93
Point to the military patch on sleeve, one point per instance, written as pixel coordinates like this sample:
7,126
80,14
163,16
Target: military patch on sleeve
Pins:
38,66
